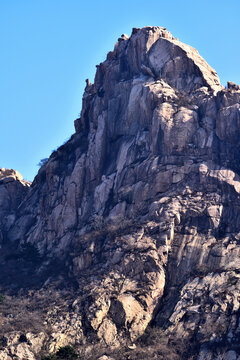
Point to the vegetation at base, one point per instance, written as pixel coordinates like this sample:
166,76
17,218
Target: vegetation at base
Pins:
28,253
18,263
2,298
42,162
64,353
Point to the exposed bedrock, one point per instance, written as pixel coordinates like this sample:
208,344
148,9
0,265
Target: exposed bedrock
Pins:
141,205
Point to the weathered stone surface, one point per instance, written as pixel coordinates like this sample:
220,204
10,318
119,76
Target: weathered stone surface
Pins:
139,210
13,189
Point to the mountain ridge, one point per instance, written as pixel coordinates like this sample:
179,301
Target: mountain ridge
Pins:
135,218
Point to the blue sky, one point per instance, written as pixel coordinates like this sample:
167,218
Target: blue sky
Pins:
49,48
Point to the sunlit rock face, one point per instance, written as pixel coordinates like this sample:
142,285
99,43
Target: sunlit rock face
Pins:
141,205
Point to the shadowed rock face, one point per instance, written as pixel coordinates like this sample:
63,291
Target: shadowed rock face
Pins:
141,205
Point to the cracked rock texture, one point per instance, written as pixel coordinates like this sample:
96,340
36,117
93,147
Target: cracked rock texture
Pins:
13,189
138,214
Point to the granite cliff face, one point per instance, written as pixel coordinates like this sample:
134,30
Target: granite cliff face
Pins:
13,189
136,218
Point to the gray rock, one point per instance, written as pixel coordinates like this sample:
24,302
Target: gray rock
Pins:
142,201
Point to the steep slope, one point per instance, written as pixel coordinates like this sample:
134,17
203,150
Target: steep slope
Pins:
140,208
13,189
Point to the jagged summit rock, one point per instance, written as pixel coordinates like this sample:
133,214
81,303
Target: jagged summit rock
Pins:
10,174
139,210
154,48
232,86
13,189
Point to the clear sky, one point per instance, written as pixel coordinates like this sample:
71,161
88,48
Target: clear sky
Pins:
49,47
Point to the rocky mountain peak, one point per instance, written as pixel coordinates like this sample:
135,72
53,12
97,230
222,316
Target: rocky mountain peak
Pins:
10,173
135,220
13,188
154,52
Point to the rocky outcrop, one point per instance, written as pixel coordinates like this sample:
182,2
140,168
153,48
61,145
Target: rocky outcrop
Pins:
13,189
141,206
